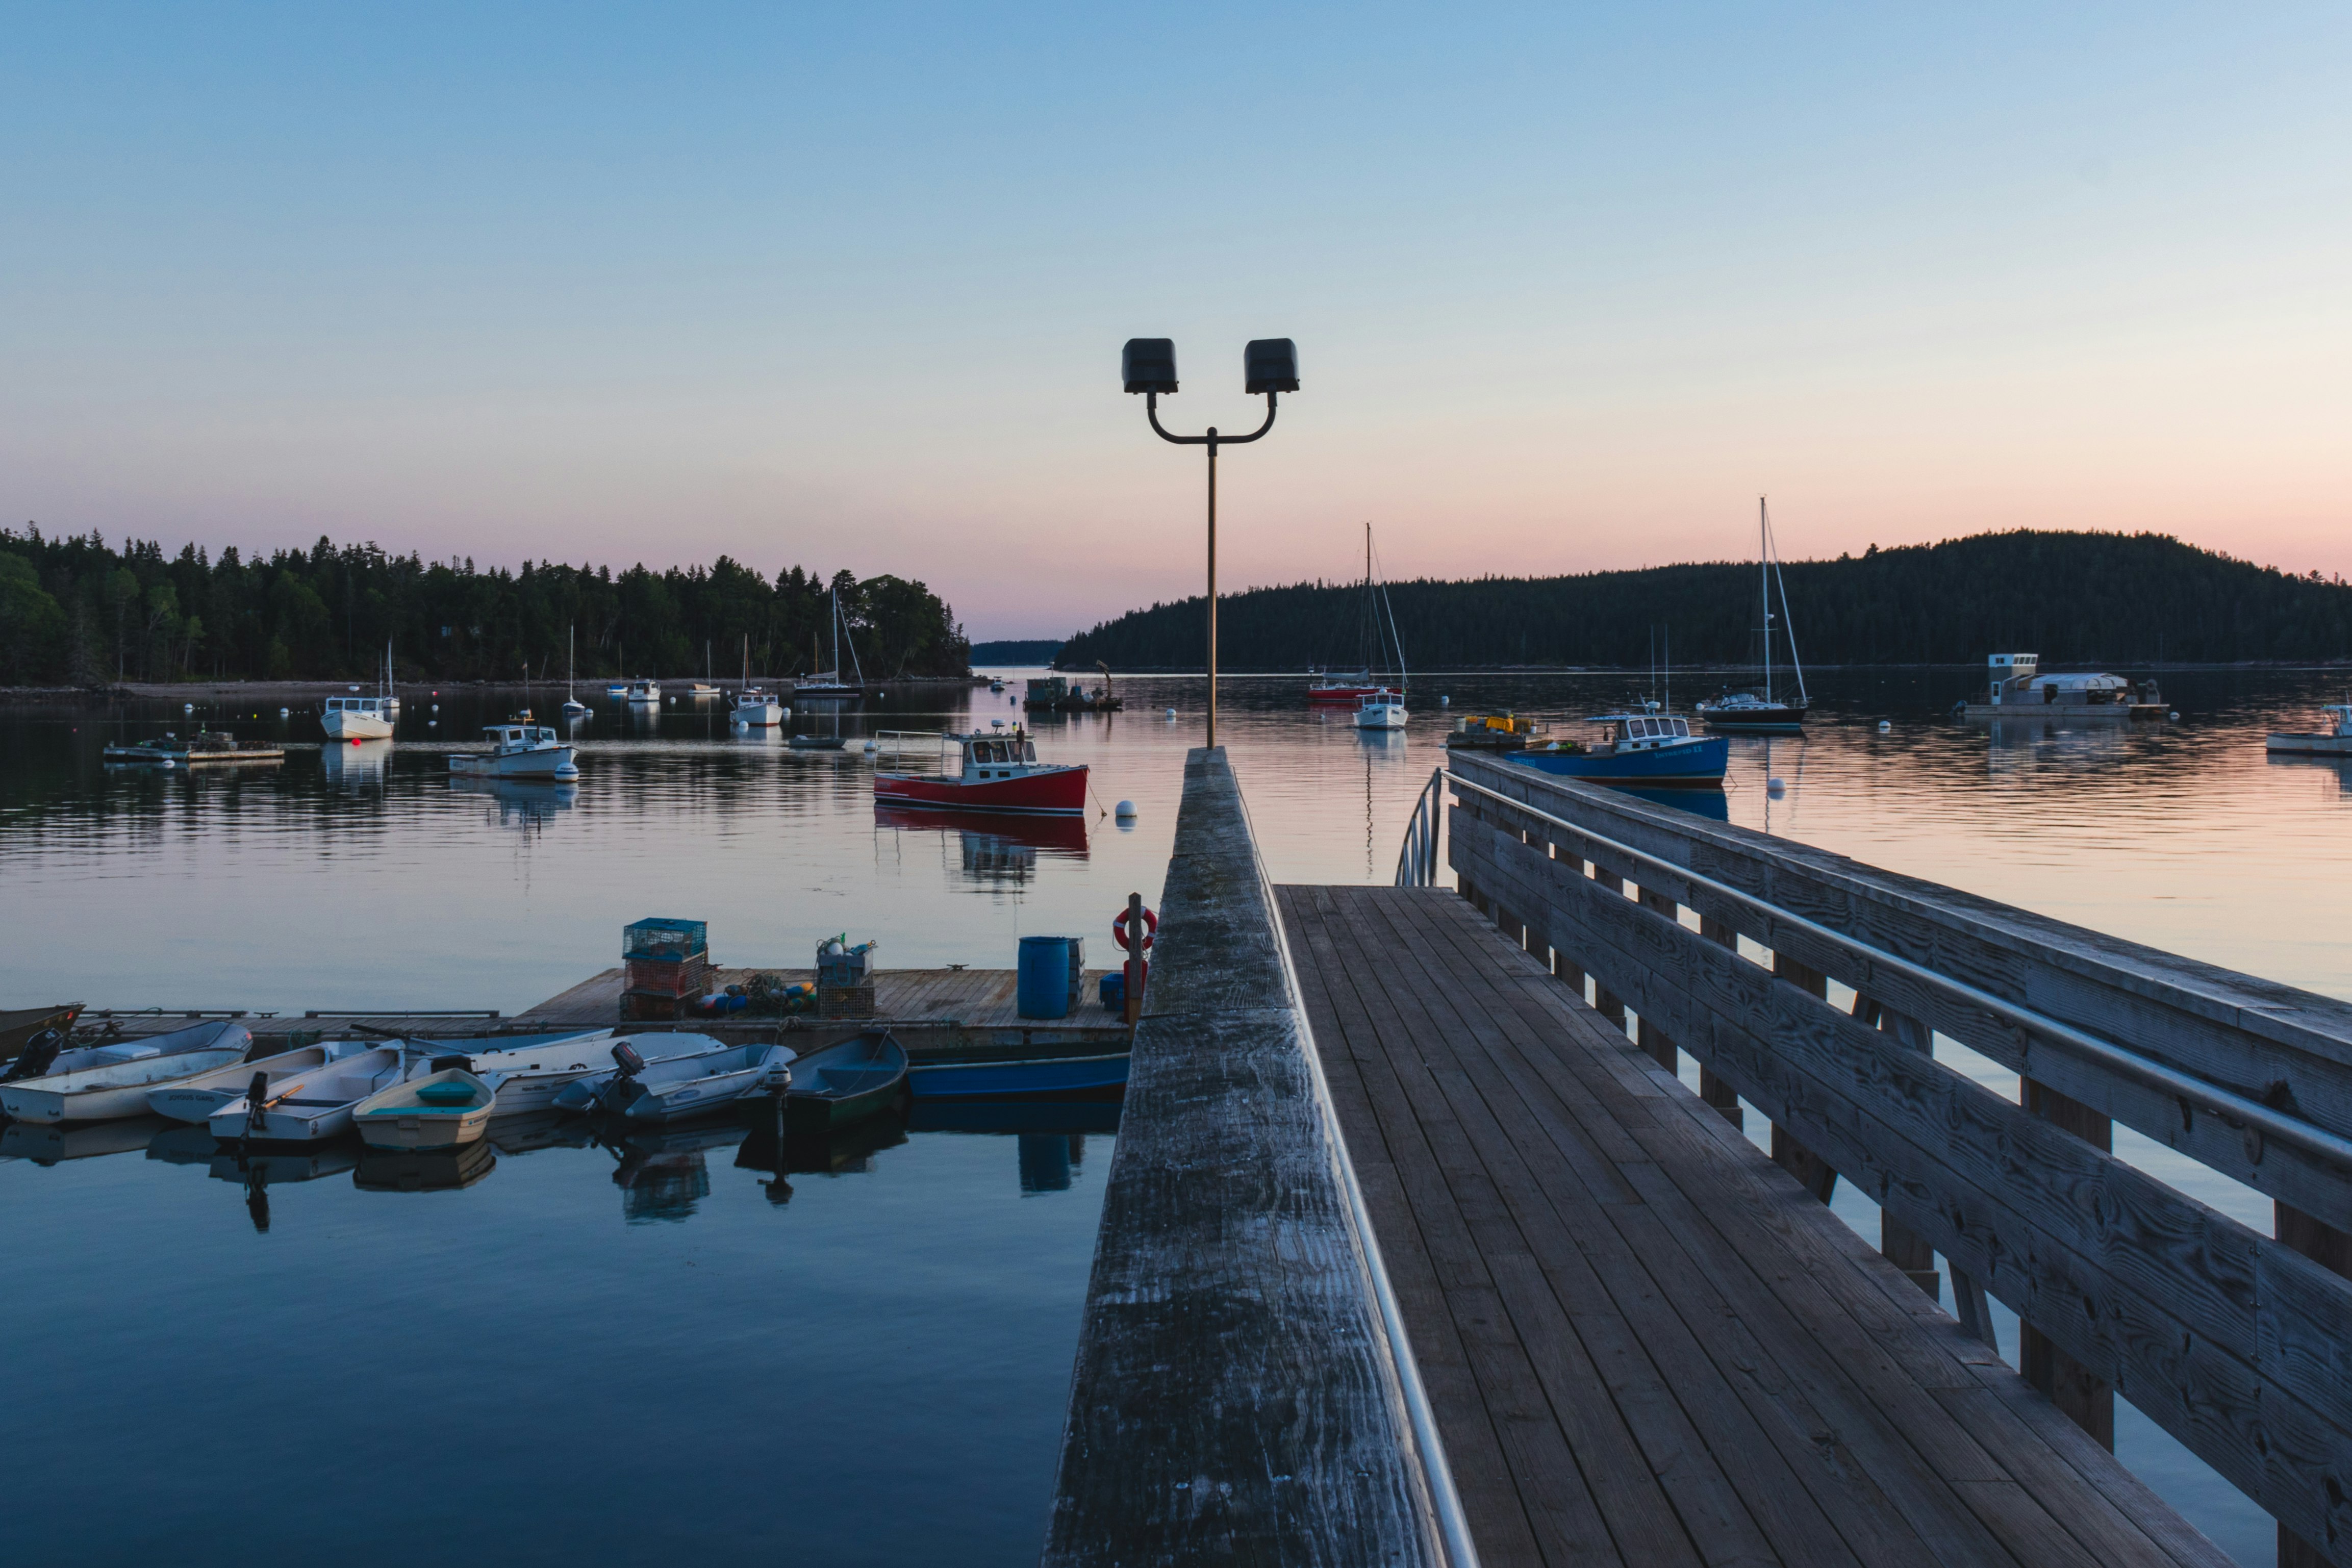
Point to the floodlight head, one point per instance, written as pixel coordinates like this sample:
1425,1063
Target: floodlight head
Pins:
1270,364
1149,365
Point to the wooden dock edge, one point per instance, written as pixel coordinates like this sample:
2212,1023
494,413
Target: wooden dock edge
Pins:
1238,1393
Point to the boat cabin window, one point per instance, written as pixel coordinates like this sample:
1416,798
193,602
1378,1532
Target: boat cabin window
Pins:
1028,751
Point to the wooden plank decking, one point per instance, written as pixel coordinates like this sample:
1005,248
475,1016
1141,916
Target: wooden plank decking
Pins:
1645,1342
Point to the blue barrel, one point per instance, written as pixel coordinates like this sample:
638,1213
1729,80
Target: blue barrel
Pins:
1042,989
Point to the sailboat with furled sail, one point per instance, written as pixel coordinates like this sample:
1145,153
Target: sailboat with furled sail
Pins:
826,685
1377,634
1745,711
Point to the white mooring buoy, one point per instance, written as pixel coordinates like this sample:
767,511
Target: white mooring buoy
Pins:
187,706
1124,811
1172,712
1884,726
2174,716
1446,702
285,712
1776,787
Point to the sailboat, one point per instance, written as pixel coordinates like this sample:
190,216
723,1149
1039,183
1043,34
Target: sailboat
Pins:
1351,690
1746,711
755,709
828,684
573,707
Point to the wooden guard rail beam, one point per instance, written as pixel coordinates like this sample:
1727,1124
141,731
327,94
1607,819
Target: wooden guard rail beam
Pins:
2238,1345
1240,1393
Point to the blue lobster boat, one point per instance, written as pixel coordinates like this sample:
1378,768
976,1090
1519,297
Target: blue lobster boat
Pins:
1636,749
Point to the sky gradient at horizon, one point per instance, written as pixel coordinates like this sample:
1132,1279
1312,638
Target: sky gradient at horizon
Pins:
846,288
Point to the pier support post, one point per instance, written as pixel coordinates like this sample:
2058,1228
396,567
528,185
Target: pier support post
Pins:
2085,1397
1604,1001
2331,1248
1788,1153
1711,1089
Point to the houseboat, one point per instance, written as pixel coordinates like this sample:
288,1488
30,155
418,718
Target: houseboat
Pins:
2016,688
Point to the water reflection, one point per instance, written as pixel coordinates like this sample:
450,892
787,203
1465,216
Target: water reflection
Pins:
425,1170
52,1144
356,767
522,802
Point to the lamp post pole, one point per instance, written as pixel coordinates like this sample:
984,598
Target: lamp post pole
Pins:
1269,365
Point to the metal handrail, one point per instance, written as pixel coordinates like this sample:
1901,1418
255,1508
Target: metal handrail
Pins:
1417,858
2233,1108
1452,1523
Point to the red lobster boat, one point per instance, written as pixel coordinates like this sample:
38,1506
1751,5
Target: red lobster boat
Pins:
993,774
1345,690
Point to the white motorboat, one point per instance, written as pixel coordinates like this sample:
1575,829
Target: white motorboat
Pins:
314,1106
440,1110
195,1099
356,718
680,1085
107,1092
758,709
1382,710
2334,742
618,688
518,751
643,691
49,1061
532,1070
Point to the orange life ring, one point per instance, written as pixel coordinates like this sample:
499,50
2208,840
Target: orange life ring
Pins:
1119,929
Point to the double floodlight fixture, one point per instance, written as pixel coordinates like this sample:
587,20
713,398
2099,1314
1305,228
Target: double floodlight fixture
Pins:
1269,365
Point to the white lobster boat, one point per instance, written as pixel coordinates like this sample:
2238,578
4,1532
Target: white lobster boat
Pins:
2334,742
518,751
356,718
1382,710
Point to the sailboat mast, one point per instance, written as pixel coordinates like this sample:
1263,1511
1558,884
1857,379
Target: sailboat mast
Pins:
1764,582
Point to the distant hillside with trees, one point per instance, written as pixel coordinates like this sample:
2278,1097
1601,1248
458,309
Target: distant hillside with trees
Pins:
1016,650
2070,598
77,611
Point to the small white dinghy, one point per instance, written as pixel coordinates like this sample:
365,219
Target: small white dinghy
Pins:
107,1082
440,1110
688,1086
311,1107
195,1099
533,1069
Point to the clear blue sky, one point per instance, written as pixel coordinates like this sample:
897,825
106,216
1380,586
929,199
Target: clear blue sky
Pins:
845,286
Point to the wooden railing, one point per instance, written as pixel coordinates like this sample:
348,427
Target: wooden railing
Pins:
1244,1390
2239,1344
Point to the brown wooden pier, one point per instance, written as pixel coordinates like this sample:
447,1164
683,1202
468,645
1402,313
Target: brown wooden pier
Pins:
1416,1249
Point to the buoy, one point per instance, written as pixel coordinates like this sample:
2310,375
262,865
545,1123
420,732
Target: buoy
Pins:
1884,726
1172,712
433,723
167,763
869,748
2174,716
187,706
285,712
355,740
1776,787
1446,702
1125,809
437,707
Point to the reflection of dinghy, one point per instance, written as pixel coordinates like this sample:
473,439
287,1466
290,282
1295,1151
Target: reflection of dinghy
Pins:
846,1082
47,1145
425,1170
108,1091
688,1086
440,1110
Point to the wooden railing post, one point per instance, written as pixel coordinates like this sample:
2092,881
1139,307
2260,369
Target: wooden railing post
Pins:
1897,1243
1651,1038
1711,1089
2084,1396
2331,1248
1786,1153
1604,1001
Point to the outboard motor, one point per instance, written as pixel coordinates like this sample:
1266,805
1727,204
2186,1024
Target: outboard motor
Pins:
624,1086
35,1059
257,1095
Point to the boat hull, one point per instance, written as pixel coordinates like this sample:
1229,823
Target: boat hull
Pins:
1386,716
414,1127
344,724
1064,1078
87,1096
2310,745
1060,792
760,715
1700,763
2113,712
550,764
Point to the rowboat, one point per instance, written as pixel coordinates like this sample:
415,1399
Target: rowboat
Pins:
116,1089
1097,1076
311,1107
846,1082
688,1086
105,1093
195,1099
51,1059
440,1110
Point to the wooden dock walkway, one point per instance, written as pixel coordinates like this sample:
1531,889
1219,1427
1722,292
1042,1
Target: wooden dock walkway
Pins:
1644,1341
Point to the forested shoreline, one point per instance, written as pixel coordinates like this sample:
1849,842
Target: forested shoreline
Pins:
2070,596
76,611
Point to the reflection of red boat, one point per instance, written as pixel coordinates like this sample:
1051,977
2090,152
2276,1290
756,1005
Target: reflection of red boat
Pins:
991,774
1062,833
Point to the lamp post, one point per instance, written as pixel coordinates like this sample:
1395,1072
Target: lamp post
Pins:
1269,365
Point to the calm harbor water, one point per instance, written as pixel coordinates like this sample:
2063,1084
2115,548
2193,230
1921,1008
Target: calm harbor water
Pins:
557,1352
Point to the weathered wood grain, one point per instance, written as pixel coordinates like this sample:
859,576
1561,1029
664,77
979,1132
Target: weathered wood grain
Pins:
2141,1284
1233,1398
